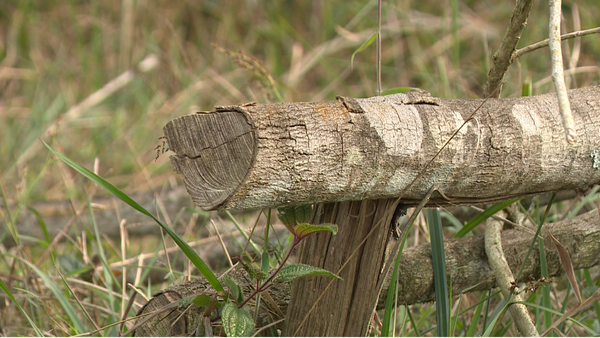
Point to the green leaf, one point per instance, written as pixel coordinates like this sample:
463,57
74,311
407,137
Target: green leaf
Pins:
487,213
37,331
398,90
187,250
41,222
362,47
202,300
234,289
527,87
236,322
64,302
265,262
253,271
291,216
292,271
305,229
184,302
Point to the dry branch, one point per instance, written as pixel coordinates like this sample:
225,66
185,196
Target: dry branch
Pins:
502,58
505,278
558,76
254,156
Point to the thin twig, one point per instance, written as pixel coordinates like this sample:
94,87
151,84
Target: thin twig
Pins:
558,76
127,308
544,43
267,326
222,243
573,311
502,58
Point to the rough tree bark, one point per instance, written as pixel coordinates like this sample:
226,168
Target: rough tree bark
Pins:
255,156
334,308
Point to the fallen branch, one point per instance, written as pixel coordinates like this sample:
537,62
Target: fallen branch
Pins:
270,155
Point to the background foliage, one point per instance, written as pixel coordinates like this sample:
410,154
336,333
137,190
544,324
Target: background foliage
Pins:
55,54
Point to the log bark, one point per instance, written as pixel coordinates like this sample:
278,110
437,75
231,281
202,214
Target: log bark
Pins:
270,155
335,308
466,266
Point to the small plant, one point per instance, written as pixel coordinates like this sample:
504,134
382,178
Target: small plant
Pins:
296,220
236,320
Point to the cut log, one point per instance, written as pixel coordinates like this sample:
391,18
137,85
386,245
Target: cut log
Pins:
271,155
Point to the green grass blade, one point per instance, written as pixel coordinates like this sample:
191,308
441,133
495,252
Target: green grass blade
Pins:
439,272
536,236
590,284
454,321
362,47
527,87
487,213
412,322
389,302
41,222
589,330
546,287
66,306
476,314
109,277
3,286
390,307
243,232
589,198
187,250
502,307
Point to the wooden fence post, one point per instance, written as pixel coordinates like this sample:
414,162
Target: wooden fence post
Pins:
326,307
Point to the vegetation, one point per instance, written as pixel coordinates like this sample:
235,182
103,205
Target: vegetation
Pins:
61,80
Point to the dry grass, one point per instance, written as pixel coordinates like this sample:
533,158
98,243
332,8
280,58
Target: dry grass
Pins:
56,55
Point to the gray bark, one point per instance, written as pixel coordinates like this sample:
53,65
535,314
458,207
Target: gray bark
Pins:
254,156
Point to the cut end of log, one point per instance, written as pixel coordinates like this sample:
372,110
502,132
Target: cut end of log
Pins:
213,152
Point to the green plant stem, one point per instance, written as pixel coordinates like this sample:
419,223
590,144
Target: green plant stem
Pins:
536,236
265,285
439,272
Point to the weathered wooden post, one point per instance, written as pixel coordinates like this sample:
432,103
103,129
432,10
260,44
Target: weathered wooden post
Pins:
354,157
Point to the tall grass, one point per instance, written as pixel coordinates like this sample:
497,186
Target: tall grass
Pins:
58,60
